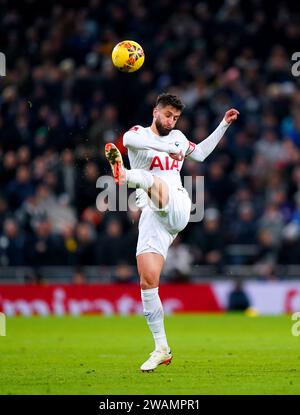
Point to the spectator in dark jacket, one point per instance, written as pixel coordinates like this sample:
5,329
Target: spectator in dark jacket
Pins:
238,299
12,244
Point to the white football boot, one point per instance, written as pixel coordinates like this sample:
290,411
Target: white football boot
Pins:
161,356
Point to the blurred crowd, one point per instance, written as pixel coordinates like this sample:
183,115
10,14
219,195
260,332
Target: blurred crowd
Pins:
62,100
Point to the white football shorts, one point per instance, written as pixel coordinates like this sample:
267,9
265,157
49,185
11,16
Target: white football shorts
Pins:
159,227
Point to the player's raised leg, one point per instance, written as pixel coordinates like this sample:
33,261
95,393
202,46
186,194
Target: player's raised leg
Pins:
156,188
149,268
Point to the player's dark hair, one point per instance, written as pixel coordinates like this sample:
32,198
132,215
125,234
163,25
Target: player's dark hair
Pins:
169,99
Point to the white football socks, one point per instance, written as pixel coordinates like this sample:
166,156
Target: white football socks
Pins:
154,313
139,178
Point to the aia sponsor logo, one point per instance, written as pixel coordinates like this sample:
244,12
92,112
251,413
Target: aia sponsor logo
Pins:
164,163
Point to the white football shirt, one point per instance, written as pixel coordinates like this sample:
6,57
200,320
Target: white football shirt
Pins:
151,152
157,161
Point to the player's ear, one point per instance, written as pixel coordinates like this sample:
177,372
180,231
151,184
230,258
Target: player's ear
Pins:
155,111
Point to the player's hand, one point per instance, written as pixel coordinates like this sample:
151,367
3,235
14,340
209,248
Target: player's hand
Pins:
175,152
231,115
179,156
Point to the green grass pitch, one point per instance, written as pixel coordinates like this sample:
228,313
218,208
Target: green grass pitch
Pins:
213,354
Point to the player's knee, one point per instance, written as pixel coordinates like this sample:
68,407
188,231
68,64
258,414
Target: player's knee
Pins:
149,280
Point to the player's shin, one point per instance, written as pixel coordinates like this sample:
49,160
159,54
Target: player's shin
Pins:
154,314
139,178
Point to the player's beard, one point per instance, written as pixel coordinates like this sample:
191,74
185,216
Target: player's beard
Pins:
161,129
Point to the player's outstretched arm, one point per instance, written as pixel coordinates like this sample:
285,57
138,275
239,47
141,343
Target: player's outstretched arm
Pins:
133,139
200,151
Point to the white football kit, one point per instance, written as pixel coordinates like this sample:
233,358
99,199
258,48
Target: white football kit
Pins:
147,151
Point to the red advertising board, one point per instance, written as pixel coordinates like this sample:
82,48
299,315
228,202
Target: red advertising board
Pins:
104,299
